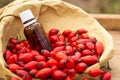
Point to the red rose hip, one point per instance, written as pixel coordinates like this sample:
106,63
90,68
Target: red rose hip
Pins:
44,73
58,75
106,76
53,31
81,67
95,72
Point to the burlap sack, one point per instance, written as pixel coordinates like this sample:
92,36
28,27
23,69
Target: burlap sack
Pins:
52,14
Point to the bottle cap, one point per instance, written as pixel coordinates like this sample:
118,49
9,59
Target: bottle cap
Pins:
26,15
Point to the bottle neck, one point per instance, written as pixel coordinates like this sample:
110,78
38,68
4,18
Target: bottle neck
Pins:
29,22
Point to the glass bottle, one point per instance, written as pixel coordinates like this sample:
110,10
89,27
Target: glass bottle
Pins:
34,31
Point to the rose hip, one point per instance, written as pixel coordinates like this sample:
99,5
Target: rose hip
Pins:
60,56
23,50
21,63
81,67
80,47
15,57
42,64
7,54
73,44
84,36
52,54
99,48
69,63
40,58
73,39
60,43
54,38
95,72
61,38
54,68
78,54
53,31
83,41
89,46
93,39
21,73
106,76
70,49
57,49
61,64
66,32
13,67
26,57
18,46
26,77
45,53
34,52
33,72
71,72
69,78
44,73
31,65
11,59
12,43
26,44
86,52
89,60
81,31
52,62
71,35
75,59
58,75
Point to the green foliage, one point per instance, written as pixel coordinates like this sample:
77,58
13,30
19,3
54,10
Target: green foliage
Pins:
114,7
4,2
103,6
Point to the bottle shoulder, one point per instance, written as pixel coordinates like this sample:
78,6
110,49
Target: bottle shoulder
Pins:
34,25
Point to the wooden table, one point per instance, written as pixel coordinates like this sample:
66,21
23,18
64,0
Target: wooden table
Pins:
115,61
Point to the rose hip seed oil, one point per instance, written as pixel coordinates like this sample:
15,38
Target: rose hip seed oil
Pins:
34,31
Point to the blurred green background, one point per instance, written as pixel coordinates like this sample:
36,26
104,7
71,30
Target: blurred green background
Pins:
90,6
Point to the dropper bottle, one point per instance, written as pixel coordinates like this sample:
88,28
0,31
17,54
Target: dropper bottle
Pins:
34,31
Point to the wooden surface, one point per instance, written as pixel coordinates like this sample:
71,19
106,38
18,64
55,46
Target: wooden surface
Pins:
115,61
108,21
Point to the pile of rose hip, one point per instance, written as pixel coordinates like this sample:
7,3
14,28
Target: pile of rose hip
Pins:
73,52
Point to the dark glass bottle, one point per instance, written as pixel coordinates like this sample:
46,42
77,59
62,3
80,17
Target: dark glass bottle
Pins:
34,31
